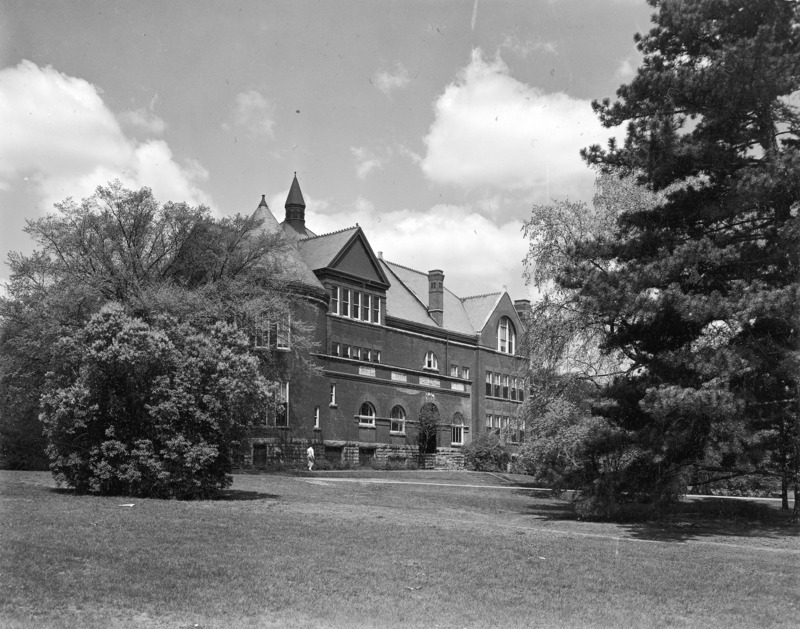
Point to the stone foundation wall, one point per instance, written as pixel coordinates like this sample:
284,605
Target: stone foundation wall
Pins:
267,452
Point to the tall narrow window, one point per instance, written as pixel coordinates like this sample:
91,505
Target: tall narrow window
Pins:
346,351
398,420
333,395
497,385
261,331
366,354
457,430
356,353
282,333
316,417
345,306
488,422
365,306
282,405
356,305
465,373
431,362
506,336
336,349
454,371
505,386
376,309
335,299
488,383
376,355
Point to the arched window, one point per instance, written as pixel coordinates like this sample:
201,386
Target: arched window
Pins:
398,420
506,336
457,437
366,414
431,361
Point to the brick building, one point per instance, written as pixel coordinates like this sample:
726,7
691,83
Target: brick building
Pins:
391,340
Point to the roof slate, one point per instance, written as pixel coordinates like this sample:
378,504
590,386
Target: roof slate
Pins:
408,299
480,307
319,251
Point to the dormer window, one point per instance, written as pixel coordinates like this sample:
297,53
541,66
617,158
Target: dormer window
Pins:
431,362
506,336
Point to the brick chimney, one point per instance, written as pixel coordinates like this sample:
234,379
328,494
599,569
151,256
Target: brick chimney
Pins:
436,295
523,308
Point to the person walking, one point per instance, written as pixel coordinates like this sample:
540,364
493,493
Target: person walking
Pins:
310,456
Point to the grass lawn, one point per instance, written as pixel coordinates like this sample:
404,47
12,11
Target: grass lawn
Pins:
340,550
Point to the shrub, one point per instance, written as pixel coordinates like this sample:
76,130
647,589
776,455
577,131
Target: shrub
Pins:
486,454
149,410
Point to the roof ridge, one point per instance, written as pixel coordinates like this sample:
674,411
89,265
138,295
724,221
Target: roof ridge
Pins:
338,231
402,266
499,292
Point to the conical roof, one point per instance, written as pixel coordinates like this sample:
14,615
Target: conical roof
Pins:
295,269
295,198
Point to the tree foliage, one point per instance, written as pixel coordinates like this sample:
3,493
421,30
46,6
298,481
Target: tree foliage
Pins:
158,263
698,291
150,409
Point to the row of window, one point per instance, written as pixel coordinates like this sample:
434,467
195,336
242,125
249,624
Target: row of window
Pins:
496,423
272,334
431,362
366,415
504,386
397,421
356,353
354,304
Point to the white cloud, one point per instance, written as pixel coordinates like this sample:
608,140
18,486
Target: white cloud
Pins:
58,133
366,161
254,113
492,131
142,119
479,256
626,70
388,81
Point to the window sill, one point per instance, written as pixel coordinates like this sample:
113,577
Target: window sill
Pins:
397,433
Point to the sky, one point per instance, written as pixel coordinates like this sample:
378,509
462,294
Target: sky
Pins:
435,125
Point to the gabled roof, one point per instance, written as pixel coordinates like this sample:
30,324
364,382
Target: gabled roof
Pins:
347,251
407,299
320,251
480,307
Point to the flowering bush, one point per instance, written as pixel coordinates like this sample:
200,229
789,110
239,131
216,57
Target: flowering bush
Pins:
149,409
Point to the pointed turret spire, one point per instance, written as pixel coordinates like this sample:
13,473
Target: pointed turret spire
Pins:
295,205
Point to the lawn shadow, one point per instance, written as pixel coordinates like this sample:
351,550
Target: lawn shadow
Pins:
550,509
230,495
237,495
715,517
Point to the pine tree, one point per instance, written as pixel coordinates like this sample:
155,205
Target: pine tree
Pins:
701,292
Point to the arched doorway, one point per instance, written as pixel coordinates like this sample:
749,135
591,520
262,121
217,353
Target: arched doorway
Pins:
428,426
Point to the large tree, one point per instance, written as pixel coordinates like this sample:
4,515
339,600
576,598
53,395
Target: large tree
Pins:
699,292
170,268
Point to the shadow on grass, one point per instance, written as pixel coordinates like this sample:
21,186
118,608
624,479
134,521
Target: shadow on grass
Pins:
241,495
229,495
714,517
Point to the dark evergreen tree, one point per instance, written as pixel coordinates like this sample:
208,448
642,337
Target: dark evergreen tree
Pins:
700,293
